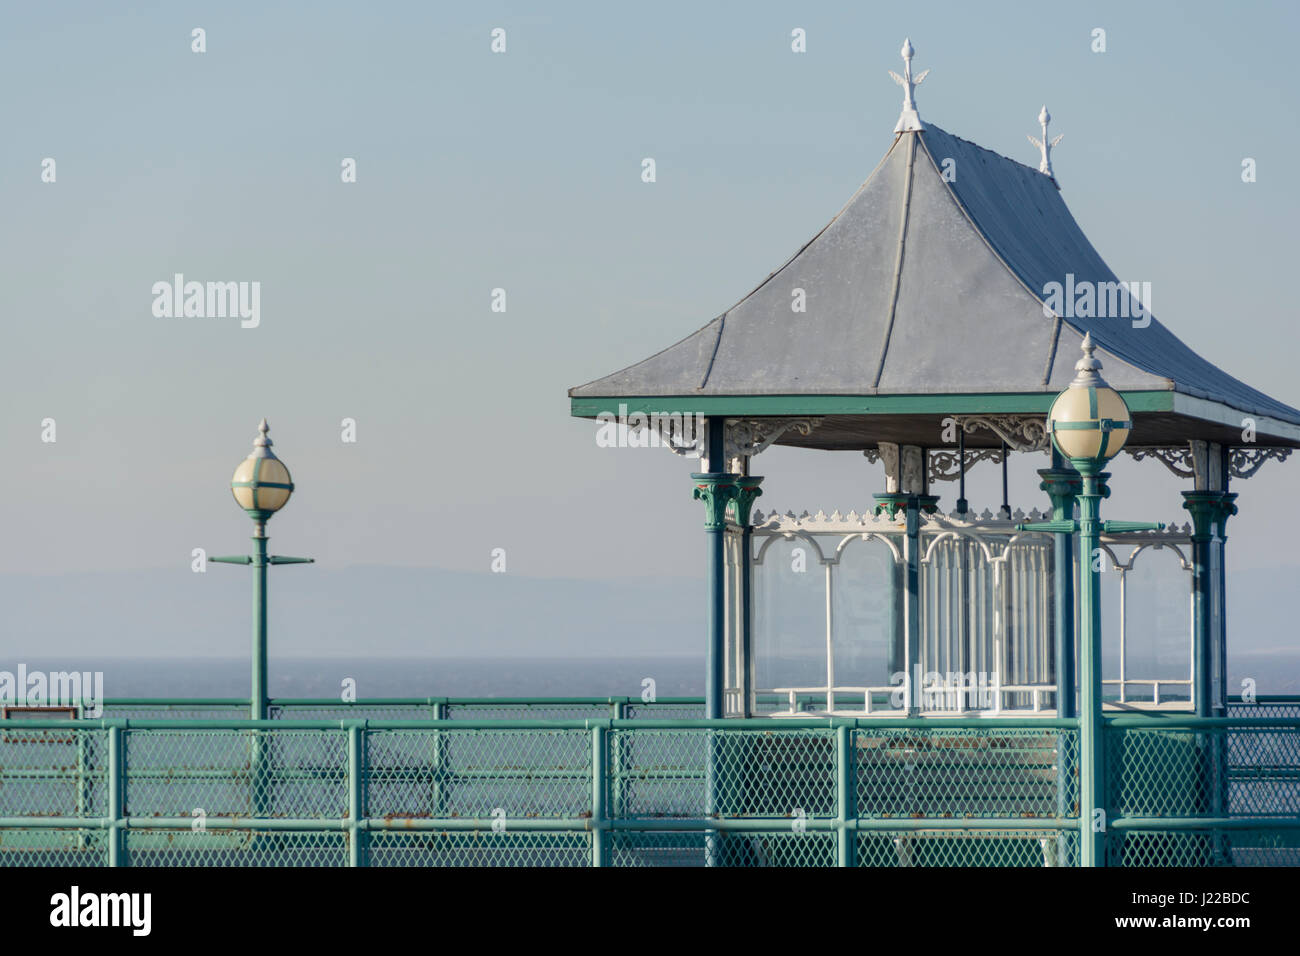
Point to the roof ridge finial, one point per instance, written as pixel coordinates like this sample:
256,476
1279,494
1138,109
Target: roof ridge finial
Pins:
910,120
1045,145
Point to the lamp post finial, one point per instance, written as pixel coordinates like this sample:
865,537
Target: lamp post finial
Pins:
1088,368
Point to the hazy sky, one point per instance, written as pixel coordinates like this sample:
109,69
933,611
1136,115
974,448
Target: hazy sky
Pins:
522,171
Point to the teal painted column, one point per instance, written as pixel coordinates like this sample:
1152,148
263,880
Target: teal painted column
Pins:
1062,485
912,506
716,490
1210,511
600,816
1092,744
846,797
1226,510
358,836
747,489
116,774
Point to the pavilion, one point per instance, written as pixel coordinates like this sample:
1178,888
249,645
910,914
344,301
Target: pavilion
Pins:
930,325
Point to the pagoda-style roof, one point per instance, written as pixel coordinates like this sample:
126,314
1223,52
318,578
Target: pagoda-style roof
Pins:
925,296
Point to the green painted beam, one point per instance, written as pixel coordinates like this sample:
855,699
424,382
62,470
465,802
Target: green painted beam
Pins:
731,723
1028,403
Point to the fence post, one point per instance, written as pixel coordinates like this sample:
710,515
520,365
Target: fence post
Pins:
617,795
599,810
438,757
358,836
116,785
846,796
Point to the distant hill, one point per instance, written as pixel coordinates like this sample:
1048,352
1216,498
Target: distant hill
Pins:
348,612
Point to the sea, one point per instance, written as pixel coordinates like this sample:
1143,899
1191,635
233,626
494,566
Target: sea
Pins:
1271,672
391,677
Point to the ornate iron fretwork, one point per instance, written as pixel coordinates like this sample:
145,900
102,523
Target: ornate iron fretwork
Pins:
680,434
944,467
747,437
1178,458
1244,462
1020,432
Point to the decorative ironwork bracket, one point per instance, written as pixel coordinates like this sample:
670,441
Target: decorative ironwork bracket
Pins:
1178,459
1191,461
1020,432
943,465
1244,462
747,437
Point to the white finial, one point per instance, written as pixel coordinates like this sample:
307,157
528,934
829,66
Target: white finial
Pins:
1088,368
1045,145
262,443
910,120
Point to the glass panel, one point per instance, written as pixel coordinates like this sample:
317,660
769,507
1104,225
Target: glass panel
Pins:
1159,622
863,605
789,624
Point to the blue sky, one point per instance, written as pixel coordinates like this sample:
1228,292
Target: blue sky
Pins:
522,171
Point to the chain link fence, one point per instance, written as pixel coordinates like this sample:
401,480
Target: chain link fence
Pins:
639,791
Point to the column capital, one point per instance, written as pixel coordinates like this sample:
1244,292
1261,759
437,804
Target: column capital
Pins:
747,489
1210,512
1062,486
716,489
895,501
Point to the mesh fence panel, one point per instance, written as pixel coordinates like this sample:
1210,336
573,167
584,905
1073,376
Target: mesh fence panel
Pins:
236,848
956,772
534,711
690,848
1235,771
661,772
1204,848
53,773
224,773
890,848
474,773
53,847
664,711
179,710
340,711
479,848
1287,709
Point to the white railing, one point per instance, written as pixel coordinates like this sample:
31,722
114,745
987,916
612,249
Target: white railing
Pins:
1183,702
986,606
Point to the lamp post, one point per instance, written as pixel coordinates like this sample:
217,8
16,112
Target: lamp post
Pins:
261,486
1089,424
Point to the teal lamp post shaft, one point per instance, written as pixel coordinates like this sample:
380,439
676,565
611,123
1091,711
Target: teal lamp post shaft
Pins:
258,699
1092,775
